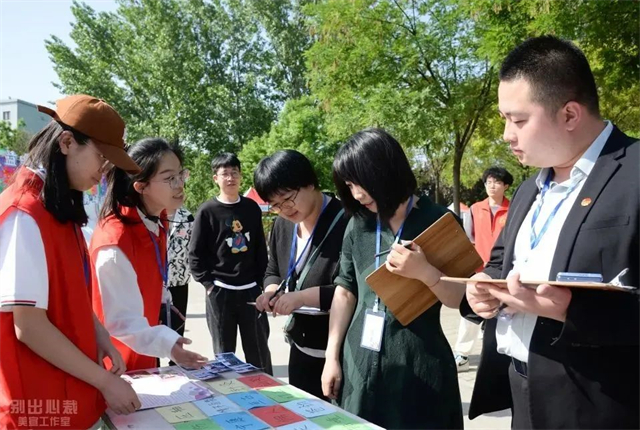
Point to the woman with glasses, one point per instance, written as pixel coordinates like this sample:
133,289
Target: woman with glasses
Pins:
129,256
52,343
305,245
392,375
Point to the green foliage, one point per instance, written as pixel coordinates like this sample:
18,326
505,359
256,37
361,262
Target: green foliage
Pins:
16,140
301,126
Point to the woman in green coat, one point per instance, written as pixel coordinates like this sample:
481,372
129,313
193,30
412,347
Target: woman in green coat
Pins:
392,375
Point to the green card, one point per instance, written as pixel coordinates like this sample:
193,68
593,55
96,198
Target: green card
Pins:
283,393
337,421
181,413
198,425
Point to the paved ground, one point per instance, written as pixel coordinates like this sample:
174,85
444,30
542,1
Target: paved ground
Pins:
196,330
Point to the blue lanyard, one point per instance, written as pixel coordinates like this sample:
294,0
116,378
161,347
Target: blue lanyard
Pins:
395,239
293,262
534,239
163,268
85,257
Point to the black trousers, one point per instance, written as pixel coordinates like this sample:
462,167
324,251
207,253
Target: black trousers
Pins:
227,310
305,372
521,419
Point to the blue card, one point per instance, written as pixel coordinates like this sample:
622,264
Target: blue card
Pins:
250,400
239,421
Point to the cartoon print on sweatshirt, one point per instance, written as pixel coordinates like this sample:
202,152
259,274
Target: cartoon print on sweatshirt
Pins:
237,241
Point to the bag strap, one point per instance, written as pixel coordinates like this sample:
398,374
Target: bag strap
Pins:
314,256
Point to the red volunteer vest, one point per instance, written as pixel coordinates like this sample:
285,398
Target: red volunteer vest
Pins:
135,241
486,228
34,393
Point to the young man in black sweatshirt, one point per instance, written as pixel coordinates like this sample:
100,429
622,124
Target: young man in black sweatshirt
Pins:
228,255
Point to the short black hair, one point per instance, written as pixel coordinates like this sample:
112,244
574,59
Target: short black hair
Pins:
374,160
499,173
283,171
147,153
63,202
557,71
225,159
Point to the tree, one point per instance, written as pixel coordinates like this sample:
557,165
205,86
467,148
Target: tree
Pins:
16,140
607,32
301,126
409,66
195,71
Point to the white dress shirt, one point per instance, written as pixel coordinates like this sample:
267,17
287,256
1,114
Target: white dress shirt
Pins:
122,303
514,336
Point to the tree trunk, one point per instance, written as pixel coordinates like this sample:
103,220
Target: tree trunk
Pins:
437,193
457,162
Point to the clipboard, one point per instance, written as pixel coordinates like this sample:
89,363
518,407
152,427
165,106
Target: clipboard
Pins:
533,284
447,248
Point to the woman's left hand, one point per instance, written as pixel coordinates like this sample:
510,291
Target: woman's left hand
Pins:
412,263
107,349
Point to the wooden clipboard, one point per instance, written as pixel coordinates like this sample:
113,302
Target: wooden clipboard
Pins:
447,248
533,284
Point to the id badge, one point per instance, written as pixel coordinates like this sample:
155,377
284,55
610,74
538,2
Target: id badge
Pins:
372,330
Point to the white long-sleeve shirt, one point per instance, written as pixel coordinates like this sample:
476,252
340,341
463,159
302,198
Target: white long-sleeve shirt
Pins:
122,303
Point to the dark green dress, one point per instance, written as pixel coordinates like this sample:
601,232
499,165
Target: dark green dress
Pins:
412,382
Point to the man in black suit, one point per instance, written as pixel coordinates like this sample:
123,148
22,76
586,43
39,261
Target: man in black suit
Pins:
560,357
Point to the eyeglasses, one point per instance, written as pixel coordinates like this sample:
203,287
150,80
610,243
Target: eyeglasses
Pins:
490,182
106,164
228,175
176,181
287,203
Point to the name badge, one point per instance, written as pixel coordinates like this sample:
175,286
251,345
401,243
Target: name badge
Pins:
372,330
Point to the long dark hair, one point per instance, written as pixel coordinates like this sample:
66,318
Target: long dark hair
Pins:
374,160
63,202
147,154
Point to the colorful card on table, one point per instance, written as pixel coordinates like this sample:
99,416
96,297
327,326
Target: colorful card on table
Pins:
259,381
244,368
216,406
229,358
141,420
310,408
302,425
239,421
250,400
198,425
181,413
228,386
283,393
339,421
276,416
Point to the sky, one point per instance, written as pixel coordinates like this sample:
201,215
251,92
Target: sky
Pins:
25,69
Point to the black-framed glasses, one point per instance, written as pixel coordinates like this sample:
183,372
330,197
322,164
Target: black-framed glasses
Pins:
287,203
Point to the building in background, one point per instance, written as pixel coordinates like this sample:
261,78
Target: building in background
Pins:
14,110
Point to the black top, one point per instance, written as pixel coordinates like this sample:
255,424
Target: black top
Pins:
228,243
310,331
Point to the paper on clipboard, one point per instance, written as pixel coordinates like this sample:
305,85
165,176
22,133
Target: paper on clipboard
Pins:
533,284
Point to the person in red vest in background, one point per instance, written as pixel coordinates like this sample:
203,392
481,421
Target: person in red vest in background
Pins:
483,226
51,372
129,256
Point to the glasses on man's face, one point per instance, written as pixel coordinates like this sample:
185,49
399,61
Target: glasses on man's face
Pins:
234,174
287,203
176,181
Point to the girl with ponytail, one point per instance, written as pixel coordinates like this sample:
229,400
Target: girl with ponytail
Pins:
129,256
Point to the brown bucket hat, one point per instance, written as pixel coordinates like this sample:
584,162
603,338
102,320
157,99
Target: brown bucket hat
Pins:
99,121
